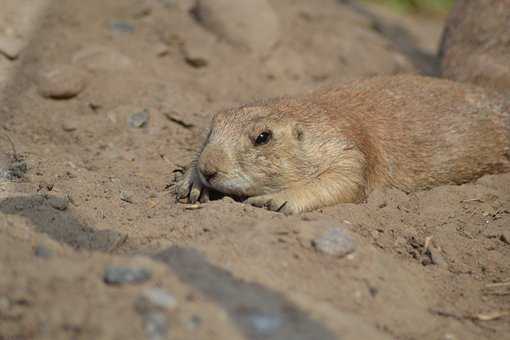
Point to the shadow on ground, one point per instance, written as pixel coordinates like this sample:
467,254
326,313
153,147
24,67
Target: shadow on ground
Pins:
258,312
61,225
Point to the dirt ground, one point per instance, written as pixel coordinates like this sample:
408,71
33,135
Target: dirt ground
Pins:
85,183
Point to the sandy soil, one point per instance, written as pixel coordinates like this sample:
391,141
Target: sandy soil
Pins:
86,190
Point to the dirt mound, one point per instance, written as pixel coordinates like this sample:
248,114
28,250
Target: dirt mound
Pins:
475,44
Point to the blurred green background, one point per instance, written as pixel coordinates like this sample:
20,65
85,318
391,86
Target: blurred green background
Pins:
425,7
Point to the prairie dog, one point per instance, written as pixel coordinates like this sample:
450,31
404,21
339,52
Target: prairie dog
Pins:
335,146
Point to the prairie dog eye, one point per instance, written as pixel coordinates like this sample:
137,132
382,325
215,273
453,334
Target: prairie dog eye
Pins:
263,138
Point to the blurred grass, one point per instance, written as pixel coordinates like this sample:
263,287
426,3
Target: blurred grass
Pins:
424,7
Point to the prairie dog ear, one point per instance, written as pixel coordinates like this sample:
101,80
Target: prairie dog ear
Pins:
298,132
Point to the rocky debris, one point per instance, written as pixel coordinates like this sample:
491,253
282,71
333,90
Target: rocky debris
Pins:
431,254
99,58
117,275
59,203
11,47
61,82
244,23
334,241
139,119
11,168
155,298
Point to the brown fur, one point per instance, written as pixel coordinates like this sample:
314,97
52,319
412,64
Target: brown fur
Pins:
476,44
337,145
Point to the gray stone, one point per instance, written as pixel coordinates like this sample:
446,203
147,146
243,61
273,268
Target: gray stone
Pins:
59,203
155,298
265,324
436,257
125,275
61,82
139,119
126,196
335,241
122,26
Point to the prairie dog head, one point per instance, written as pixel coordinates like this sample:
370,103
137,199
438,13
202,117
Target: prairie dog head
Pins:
251,151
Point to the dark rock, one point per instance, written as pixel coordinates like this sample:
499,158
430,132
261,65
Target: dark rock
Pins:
125,275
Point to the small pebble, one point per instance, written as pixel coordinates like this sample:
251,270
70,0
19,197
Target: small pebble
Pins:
334,241
155,298
436,257
10,47
155,325
124,275
59,203
265,324
42,251
139,119
61,82
69,126
126,196
122,26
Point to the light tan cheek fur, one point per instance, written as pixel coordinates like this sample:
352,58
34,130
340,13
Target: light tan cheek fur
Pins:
338,185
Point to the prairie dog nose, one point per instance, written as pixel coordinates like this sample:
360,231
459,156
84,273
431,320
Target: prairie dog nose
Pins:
212,161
